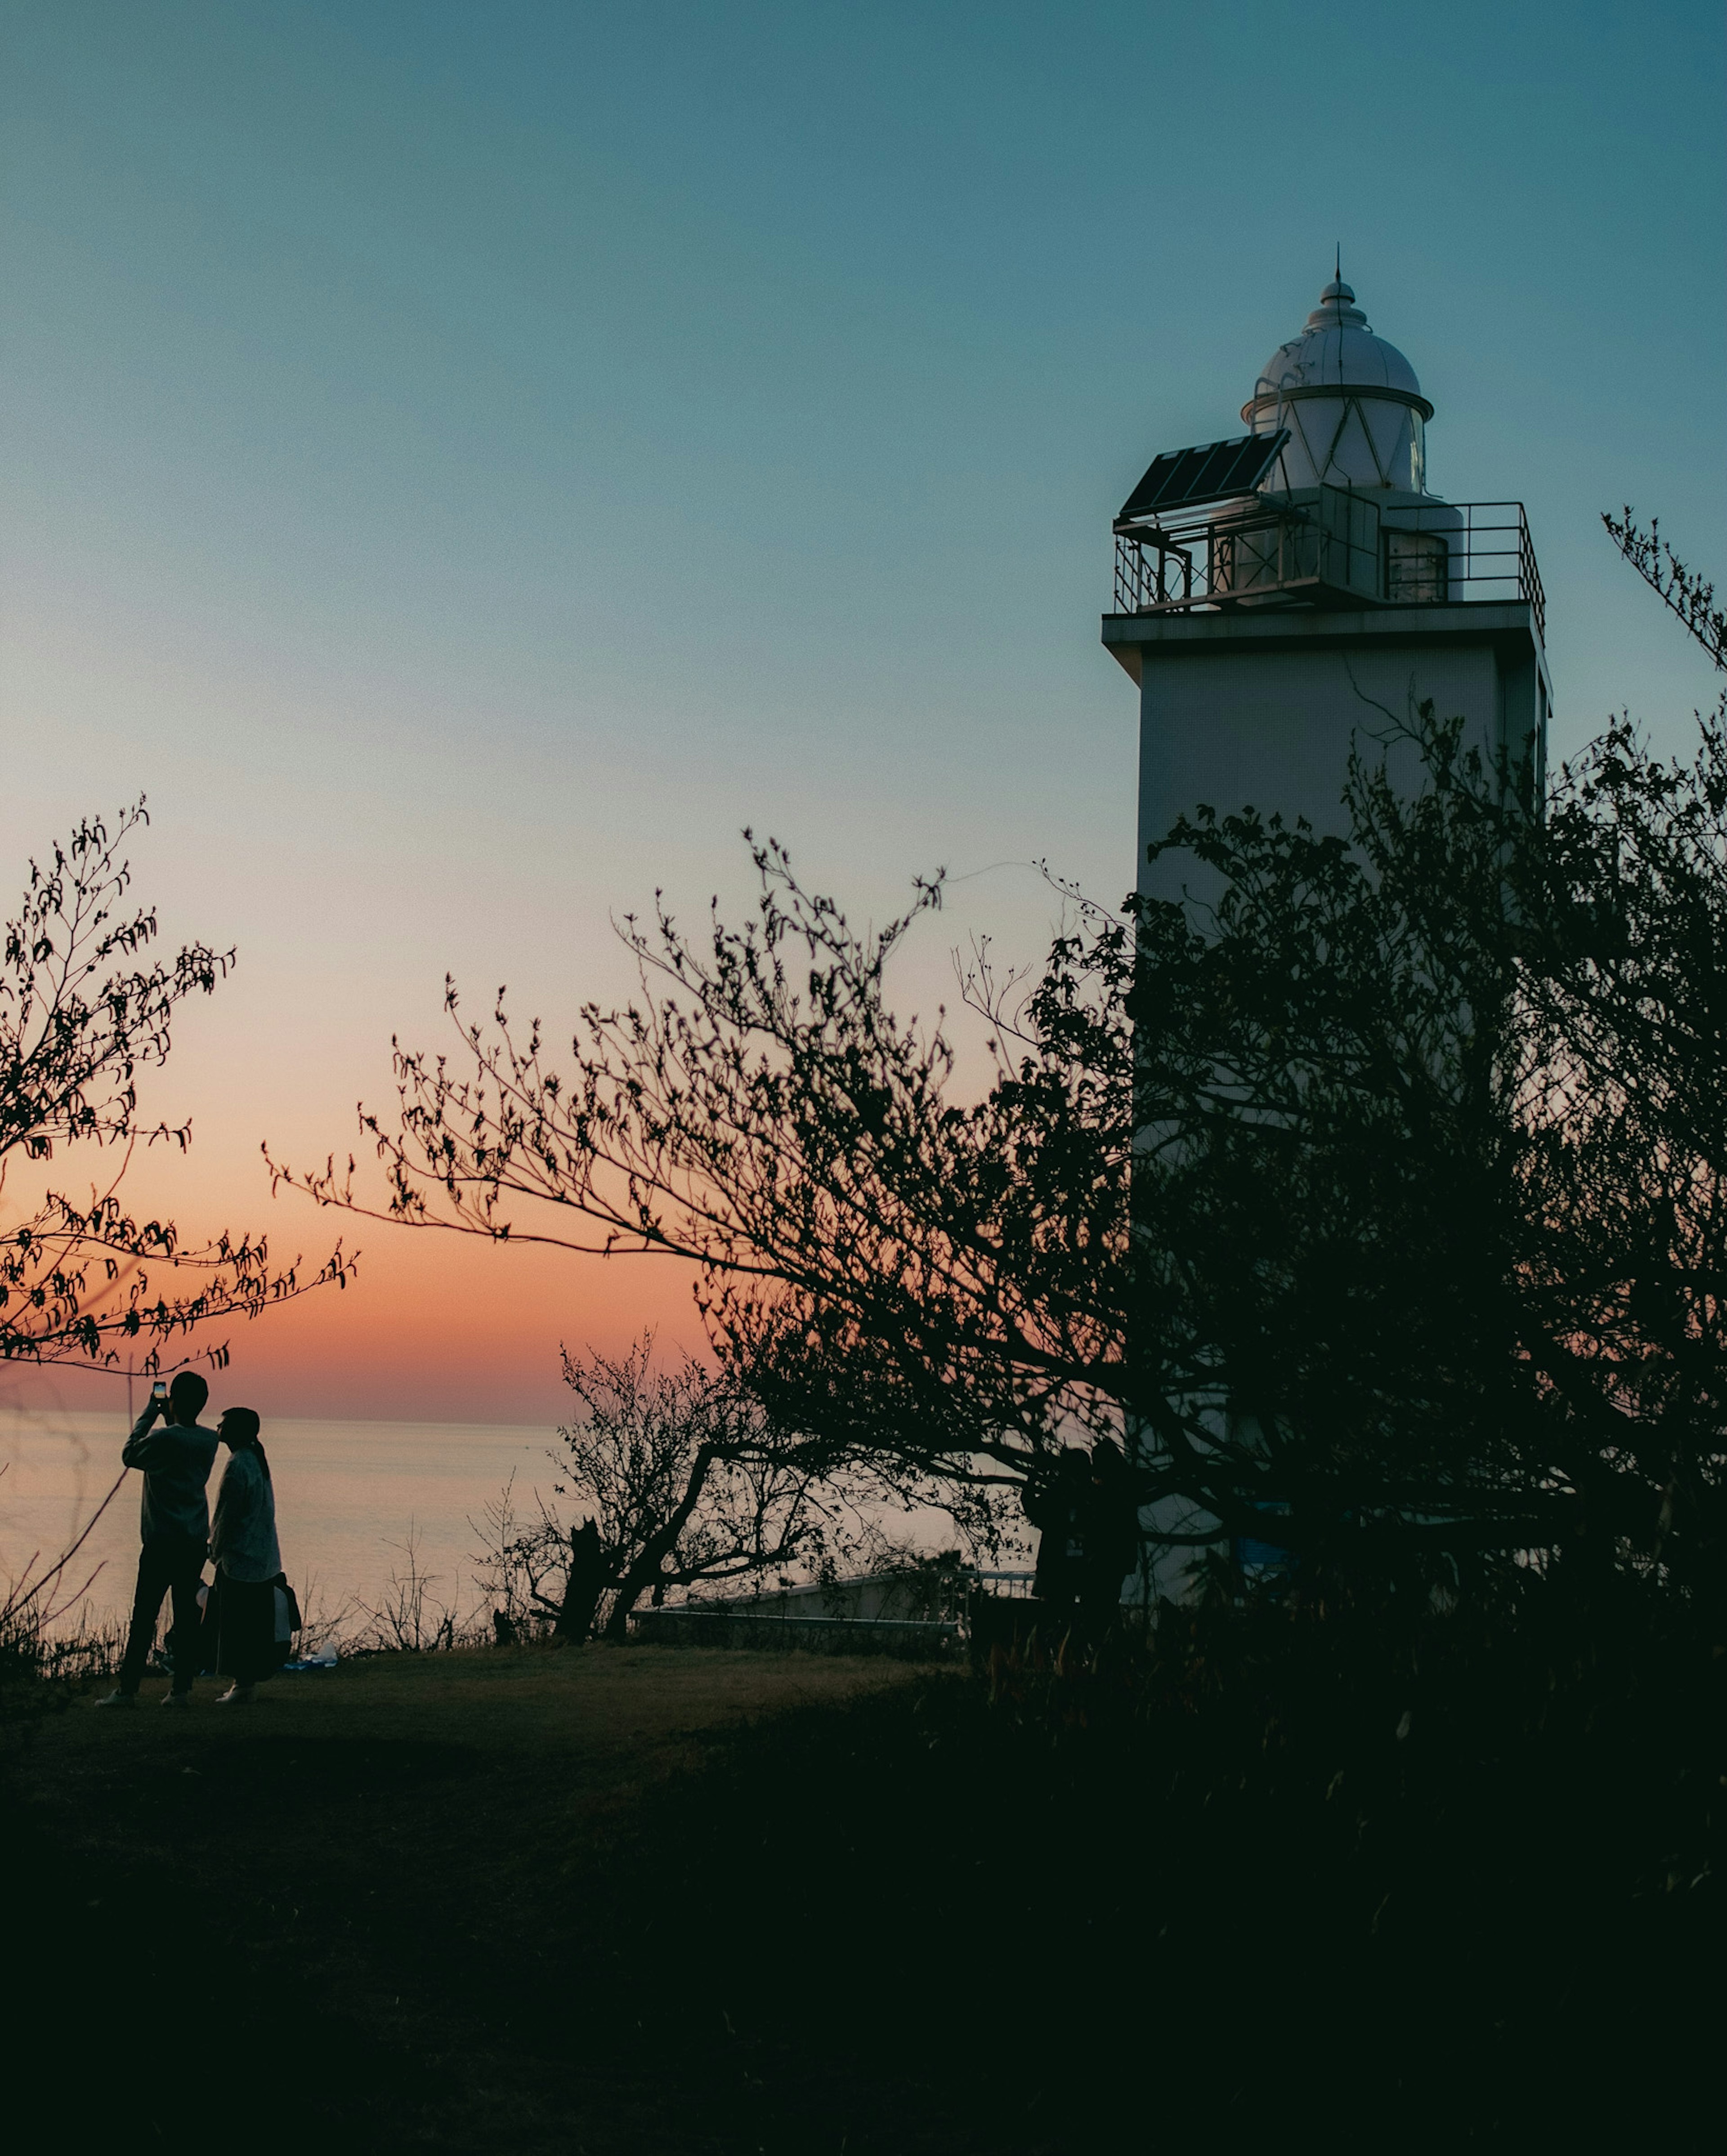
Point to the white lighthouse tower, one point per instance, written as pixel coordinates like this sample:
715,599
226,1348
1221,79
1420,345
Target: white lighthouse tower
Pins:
1289,594
1286,593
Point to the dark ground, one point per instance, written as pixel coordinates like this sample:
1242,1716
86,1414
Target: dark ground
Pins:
665,1902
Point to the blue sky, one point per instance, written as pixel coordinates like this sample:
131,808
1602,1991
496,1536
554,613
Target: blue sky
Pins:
466,460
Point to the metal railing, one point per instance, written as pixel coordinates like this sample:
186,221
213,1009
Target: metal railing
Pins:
1334,549
1015,1585
1491,554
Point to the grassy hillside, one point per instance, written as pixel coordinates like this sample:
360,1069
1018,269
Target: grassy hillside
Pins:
643,1902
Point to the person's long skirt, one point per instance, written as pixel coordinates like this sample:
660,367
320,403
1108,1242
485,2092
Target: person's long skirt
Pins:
246,1644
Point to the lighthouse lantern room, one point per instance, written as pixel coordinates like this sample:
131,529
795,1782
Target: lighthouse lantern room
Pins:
1284,594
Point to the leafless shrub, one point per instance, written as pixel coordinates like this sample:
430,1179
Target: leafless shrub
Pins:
409,1619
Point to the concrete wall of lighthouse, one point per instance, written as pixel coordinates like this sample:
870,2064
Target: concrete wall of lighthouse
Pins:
1265,718
1237,712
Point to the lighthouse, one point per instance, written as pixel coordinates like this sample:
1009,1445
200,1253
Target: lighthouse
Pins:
1290,595
1286,595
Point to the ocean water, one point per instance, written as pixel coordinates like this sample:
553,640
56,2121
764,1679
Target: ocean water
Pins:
350,1498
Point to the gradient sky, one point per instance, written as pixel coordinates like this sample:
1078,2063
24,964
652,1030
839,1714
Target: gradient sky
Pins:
465,461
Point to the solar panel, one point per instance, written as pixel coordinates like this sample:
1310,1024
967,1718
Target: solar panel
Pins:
1181,479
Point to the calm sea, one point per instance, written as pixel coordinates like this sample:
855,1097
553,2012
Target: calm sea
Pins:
349,1496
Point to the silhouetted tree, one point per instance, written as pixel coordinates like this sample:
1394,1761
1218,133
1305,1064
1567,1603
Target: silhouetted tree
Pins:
680,1480
82,1015
1625,1002
1381,1194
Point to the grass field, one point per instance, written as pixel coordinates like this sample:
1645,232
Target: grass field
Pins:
640,1901
374,1879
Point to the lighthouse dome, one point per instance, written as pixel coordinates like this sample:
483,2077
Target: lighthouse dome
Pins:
1351,402
1335,351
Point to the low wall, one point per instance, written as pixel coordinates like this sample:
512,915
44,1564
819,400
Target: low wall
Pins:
905,1639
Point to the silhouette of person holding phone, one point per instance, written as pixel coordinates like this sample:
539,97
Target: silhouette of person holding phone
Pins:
175,1460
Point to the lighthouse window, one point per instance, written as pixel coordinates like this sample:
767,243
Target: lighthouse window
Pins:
1416,564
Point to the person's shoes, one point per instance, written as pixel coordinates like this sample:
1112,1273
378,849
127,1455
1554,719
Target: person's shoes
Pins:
118,1699
237,1695
176,1699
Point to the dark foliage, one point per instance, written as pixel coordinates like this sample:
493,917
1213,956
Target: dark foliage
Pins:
683,1480
1381,1193
1361,1878
1359,1873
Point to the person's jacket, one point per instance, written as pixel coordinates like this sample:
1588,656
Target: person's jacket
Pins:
176,1459
243,1540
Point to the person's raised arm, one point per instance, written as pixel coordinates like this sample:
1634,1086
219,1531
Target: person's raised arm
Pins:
134,1453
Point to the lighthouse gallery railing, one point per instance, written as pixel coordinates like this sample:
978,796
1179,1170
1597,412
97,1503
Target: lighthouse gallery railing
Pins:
1330,548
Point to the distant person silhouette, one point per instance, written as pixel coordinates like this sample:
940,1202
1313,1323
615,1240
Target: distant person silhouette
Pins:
175,1460
1112,1535
1058,1505
584,1585
249,1564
